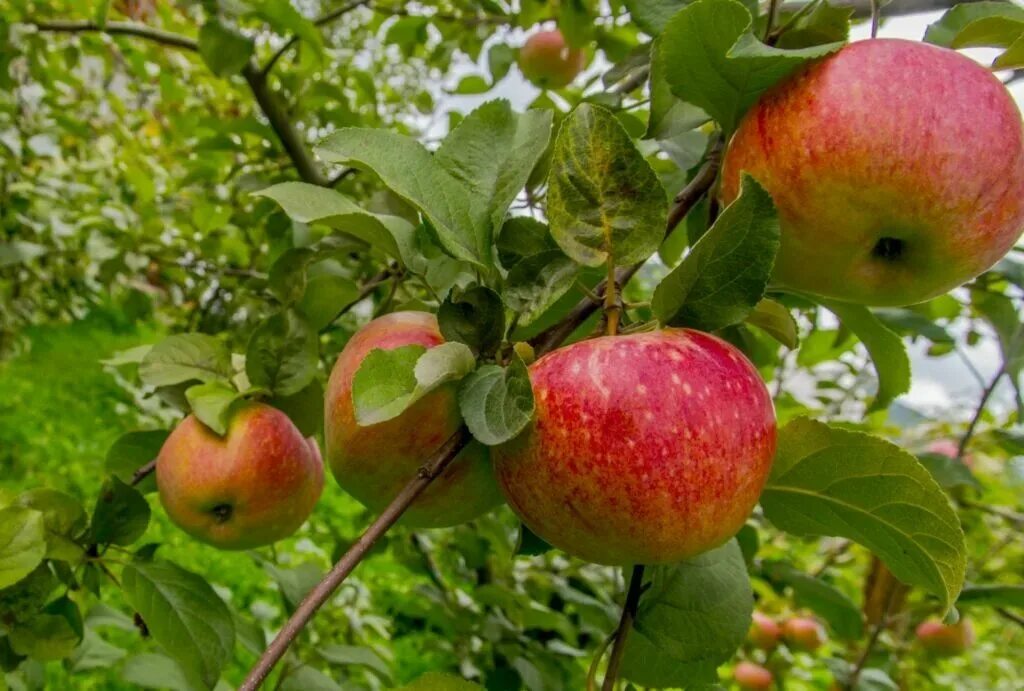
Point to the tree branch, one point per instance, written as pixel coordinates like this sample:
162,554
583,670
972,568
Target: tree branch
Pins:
325,588
268,101
119,28
985,396
625,624
326,18
140,474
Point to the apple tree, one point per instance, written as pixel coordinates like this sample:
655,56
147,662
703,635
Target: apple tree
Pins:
514,345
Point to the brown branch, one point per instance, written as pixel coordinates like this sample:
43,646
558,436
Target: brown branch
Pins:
1006,514
883,620
119,28
268,101
365,290
1010,616
141,473
319,21
985,396
625,624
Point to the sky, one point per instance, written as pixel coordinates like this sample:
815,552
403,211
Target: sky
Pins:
943,384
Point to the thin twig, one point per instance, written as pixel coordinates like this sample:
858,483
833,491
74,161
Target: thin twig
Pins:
119,28
1010,616
364,291
774,36
773,11
985,395
625,624
876,17
851,682
998,511
433,467
140,474
319,21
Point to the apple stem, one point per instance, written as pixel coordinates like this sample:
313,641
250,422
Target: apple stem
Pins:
611,304
876,17
625,624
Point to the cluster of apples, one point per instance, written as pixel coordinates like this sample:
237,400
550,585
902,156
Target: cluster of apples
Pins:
898,172
798,633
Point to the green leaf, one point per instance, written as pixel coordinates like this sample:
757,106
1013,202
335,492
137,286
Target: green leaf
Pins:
475,317
491,153
977,23
389,381
213,404
500,58
361,656
991,596
411,172
324,299
714,61
283,354
305,408
826,23
155,671
94,653
698,611
472,84
824,599
529,543
295,582
22,543
308,678
224,50
775,320
308,203
130,452
522,237
186,357
725,275
604,199
53,634
121,514
436,681
287,276
497,403
64,519
285,19
536,283
407,33
23,600
1001,313
19,252
886,349
948,472
184,615
829,481
652,15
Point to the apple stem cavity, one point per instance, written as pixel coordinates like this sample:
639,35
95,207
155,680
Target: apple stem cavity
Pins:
889,249
625,624
222,512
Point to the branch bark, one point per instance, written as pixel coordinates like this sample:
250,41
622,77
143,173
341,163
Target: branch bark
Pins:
625,624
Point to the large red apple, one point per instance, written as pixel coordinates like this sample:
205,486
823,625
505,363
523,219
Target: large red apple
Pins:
752,677
764,632
647,448
549,62
255,485
375,462
945,640
897,168
803,633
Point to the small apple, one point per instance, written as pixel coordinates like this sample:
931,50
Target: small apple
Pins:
644,449
375,462
945,640
950,449
803,633
897,168
549,62
764,632
752,677
255,485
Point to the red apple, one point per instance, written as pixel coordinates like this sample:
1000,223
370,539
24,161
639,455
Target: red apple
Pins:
897,168
950,449
753,677
255,485
803,633
764,632
374,463
648,448
548,61
945,640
